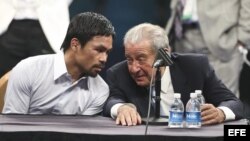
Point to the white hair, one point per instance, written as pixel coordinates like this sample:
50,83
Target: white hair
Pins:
146,31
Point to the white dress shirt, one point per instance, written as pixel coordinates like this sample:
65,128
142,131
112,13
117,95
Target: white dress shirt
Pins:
42,85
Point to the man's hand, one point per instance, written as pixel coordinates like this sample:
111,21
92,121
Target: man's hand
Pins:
211,115
127,115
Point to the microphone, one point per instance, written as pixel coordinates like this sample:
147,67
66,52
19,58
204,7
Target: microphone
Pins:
158,63
163,59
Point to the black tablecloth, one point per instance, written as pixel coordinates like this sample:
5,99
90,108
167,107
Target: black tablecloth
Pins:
97,128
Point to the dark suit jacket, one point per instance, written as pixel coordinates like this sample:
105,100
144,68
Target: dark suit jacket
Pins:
188,73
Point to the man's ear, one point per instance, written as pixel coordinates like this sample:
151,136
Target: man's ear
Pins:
74,43
168,49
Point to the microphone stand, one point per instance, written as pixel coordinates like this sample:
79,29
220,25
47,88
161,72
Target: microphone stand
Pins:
157,92
157,119
163,59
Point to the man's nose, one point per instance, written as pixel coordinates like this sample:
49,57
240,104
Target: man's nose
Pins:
104,57
135,66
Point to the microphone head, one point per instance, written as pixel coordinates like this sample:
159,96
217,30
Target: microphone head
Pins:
158,63
162,58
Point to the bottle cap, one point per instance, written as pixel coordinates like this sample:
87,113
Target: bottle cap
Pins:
177,95
198,91
193,95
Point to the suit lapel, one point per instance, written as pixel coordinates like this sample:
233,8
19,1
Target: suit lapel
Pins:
143,100
179,82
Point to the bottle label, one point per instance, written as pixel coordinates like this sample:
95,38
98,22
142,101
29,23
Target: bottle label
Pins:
176,116
193,116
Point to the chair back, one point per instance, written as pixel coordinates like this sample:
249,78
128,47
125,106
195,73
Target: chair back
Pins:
3,86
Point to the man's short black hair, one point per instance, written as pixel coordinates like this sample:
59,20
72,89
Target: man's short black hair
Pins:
85,26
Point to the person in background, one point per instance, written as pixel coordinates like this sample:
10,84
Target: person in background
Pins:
214,28
66,82
129,81
29,28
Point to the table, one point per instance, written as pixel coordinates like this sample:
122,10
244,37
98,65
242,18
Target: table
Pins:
97,128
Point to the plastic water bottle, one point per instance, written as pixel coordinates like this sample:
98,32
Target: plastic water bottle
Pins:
193,112
176,112
200,97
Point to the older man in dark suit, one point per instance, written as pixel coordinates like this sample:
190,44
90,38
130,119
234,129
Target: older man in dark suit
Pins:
129,81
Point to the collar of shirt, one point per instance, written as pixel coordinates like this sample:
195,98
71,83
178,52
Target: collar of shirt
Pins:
165,81
60,68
